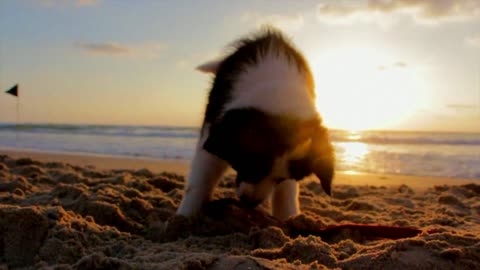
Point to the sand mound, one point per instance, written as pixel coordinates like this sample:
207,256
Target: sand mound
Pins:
58,216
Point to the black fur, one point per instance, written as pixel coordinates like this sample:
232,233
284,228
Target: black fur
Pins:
243,138
250,140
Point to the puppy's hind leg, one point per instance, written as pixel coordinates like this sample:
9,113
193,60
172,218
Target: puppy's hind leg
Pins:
285,200
205,172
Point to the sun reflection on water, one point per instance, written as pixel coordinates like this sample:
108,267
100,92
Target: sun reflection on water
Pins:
353,155
354,135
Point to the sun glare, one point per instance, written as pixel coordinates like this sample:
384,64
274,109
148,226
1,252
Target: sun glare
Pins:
364,88
354,151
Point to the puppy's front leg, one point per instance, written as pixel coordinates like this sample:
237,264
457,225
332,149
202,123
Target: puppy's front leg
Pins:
285,200
205,172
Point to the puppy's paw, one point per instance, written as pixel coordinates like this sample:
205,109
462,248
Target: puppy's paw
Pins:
189,210
192,202
286,213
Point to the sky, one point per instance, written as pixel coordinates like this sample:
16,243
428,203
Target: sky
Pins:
378,64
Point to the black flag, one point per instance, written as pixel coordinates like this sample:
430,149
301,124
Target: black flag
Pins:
13,91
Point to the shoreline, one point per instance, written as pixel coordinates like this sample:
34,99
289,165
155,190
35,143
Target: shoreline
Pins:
181,167
101,161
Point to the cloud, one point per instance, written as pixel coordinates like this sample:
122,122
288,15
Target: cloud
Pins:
340,13
473,41
288,23
86,2
398,64
76,3
103,48
382,67
145,50
422,11
463,106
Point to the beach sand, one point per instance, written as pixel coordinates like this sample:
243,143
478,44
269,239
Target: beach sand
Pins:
67,211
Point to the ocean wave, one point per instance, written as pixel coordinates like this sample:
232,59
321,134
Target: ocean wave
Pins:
100,130
368,137
381,140
411,138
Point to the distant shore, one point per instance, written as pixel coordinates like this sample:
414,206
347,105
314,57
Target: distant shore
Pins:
106,162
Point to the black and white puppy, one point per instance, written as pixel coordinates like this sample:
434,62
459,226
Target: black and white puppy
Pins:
262,121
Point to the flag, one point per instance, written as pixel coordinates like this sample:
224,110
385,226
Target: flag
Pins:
13,91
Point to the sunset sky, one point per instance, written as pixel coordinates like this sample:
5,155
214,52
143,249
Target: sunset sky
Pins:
378,64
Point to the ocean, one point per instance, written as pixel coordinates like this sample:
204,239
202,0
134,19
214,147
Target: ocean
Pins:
453,155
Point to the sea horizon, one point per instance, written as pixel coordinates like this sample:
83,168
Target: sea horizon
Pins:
46,124
419,153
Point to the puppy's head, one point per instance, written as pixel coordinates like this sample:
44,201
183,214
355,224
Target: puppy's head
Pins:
265,150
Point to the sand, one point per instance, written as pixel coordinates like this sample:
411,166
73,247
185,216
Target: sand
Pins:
120,215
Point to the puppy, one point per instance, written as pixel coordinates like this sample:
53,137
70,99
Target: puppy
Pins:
262,121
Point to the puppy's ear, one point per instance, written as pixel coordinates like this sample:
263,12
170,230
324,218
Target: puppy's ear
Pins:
210,67
322,158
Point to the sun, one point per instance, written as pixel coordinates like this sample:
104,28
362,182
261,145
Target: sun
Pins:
361,88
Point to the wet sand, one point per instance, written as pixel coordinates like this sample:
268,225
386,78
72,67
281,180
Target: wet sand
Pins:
65,211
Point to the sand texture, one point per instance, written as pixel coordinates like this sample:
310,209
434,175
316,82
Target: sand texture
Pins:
59,216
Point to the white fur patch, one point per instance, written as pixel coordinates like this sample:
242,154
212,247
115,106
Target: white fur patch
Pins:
259,191
205,171
285,200
276,86
282,203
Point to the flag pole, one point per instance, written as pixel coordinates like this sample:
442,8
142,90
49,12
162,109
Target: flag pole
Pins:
478,87
18,110
17,121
